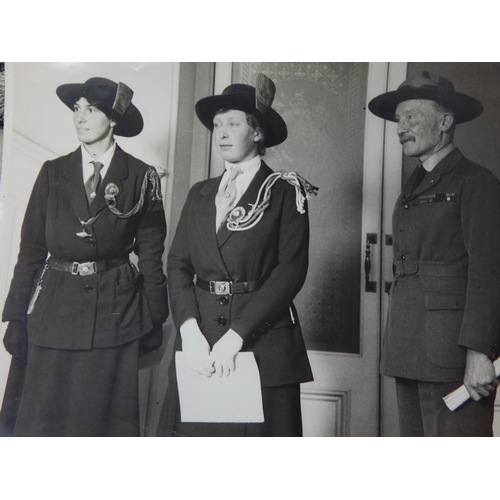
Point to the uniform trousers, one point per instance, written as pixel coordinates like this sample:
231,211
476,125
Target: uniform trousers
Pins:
422,411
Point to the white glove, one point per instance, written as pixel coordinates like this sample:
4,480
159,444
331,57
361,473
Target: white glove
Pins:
196,348
224,352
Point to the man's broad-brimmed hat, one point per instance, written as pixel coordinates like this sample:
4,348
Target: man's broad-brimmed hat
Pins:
253,100
423,86
113,99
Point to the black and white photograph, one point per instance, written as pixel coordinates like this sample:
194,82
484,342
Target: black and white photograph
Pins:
301,245
353,311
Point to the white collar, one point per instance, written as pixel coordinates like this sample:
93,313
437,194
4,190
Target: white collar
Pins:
105,158
244,165
434,159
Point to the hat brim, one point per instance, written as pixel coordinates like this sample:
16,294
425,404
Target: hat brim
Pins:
275,129
129,125
464,107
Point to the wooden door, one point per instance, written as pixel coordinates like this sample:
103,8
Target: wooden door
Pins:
337,145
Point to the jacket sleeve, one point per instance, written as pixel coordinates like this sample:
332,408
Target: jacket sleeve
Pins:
32,250
267,304
180,268
481,233
149,247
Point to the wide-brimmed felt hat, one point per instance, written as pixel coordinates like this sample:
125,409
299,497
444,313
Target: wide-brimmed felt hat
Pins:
114,99
423,86
253,100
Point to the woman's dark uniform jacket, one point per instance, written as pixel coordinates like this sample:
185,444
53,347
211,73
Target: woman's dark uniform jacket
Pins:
445,298
104,309
273,253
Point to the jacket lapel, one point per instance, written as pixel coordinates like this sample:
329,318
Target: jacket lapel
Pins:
205,221
432,178
248,198
74,185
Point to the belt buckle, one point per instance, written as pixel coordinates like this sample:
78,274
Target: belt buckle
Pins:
221,287
83,269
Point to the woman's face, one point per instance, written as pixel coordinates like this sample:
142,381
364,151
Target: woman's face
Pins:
234,139
91,124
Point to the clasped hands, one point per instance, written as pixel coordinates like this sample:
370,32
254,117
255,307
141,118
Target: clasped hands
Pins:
197,354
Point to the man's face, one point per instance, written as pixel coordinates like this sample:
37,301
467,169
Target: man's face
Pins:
91,124
420,128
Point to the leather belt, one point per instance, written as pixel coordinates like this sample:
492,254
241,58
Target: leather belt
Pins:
85,268
408,267
228,287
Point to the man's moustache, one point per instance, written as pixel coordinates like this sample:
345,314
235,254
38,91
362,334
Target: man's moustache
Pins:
404,139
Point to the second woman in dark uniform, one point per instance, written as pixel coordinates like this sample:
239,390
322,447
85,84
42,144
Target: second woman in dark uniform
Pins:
234,271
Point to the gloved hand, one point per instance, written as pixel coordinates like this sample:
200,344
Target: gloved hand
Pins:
196,348
224,353
151,341
15,340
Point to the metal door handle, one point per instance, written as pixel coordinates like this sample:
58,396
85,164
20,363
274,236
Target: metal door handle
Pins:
371,239
388,284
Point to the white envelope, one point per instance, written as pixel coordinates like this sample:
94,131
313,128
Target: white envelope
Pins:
237,398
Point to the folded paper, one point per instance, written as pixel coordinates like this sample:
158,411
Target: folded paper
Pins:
236,398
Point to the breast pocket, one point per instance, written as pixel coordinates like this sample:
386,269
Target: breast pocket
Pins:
443,320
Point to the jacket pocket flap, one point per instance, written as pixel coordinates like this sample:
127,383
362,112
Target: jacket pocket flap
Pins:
444,299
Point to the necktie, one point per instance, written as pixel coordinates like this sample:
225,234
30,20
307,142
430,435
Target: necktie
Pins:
226,197
420,177
93,182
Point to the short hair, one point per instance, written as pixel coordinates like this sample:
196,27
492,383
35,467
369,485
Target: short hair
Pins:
254,123
110,114
441,107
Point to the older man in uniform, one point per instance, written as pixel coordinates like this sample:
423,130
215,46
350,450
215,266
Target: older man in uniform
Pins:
444,313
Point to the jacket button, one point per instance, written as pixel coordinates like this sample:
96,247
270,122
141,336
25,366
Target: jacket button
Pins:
88,288
406,206
223,301
91,242
221,321
403,257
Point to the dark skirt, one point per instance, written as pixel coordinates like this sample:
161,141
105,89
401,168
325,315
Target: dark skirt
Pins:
282,415
74,393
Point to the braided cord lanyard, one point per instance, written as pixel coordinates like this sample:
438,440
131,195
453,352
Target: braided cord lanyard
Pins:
112,190
238,220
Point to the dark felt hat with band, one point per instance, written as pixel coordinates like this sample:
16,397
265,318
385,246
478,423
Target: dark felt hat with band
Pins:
253,100
423,86
113,99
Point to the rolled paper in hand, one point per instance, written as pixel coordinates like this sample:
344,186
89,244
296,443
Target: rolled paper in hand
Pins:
459,396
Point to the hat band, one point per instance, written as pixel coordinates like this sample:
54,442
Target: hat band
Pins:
123,99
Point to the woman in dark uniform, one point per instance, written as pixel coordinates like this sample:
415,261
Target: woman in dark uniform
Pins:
234,270
79,312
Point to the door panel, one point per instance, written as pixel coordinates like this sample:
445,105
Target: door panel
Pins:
322,104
